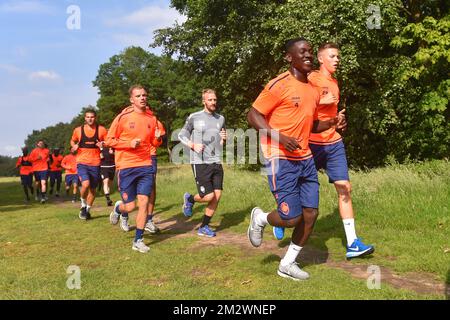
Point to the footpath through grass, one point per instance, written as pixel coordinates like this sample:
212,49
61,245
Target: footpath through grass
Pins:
402,210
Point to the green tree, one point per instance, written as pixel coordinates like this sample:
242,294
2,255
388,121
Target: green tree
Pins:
238,46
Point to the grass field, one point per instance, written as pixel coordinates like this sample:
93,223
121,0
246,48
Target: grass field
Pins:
402,210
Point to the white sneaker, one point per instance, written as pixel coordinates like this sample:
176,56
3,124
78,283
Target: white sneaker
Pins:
255,231
151,227
114,216
124,224
292,271
140,246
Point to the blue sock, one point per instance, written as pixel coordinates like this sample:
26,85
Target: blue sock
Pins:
117,210
149,217
139,234
124,214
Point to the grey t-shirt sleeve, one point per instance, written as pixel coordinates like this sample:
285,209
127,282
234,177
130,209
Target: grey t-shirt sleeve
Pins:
185,134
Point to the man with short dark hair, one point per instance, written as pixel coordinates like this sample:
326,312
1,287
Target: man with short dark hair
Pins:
26,173
86,141
55,171
39,158
286,110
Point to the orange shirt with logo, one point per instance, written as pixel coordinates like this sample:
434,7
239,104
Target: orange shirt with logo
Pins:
86,156
289,107
24,170
324,85
39,158
127,126
56,163
69,163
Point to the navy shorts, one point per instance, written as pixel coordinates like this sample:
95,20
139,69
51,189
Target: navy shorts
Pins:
26,179
134,181
41,175
56,175
89,173
295,186
72,179
333,159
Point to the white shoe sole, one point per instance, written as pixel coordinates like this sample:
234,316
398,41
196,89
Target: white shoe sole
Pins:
284,275
139,250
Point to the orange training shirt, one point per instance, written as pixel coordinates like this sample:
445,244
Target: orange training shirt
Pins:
56,164
86,156
289,107
323,85
127,126
24,170
42,163
69,163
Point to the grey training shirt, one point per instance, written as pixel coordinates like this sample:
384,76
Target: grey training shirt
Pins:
203,127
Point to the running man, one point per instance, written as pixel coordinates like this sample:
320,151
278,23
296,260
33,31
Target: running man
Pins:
132,134
55,171
204,134
69,163
86,141
150,226
328,148
39,158
107,171
26,173
286,110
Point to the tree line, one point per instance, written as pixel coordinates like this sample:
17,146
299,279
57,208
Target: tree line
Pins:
394,75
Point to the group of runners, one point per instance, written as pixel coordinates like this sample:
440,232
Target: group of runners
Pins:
298,110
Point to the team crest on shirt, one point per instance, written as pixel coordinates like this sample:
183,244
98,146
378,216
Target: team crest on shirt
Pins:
296,101
324,91
284,208
132,125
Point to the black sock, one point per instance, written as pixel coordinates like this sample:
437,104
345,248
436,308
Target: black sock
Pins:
32,190
191,199
107,196
25,189
205,221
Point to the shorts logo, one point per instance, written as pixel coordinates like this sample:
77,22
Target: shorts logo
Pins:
284,208
125,196
202,189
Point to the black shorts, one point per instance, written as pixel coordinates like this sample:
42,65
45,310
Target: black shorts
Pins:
107,173
208,177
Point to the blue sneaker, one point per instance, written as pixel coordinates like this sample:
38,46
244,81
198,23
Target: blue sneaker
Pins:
206,231
358,249
187,206
278,233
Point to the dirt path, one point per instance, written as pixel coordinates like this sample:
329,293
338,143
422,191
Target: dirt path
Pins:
421,283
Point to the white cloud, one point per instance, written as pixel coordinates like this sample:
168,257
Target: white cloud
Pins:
11,150
44,75
25,6
151,16
11,69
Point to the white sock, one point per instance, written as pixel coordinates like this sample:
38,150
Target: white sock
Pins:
350,233
291,254
83,202
261,219
88,208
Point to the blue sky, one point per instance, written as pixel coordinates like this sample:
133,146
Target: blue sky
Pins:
47,69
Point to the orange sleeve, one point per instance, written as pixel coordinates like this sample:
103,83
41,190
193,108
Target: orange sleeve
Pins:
112,138
266,101
33,156
161,127
19,162
76,135
102,133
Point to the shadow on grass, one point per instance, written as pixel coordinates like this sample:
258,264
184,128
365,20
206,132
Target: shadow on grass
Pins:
231,219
